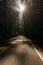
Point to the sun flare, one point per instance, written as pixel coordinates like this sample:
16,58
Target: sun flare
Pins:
21,8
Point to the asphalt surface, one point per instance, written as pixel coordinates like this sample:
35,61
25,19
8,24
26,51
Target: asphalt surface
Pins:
20,53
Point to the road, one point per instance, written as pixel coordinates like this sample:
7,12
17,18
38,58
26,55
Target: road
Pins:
20,52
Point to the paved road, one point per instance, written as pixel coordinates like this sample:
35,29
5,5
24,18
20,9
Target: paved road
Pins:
20,53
